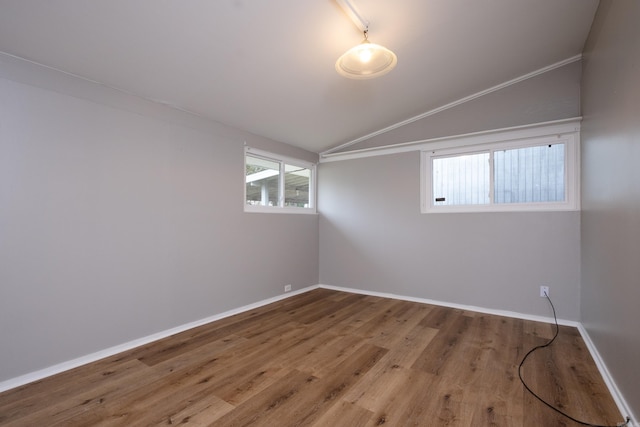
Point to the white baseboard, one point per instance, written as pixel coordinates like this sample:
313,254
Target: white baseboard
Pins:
623,407
61,367
477,309
93,357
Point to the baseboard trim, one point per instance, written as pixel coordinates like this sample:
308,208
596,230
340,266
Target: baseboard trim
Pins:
624,408
93,357
477,309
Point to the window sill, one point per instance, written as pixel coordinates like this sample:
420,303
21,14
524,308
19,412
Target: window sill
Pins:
521,207
278,210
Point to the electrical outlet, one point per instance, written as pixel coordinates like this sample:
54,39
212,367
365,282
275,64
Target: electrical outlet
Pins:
287,288
544,291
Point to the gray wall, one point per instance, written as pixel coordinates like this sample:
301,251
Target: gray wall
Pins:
611,192
120,218
552,95
373,237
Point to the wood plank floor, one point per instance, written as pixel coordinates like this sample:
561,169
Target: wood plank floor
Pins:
328,358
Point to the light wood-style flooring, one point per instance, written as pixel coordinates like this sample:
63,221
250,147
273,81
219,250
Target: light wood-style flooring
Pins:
328,358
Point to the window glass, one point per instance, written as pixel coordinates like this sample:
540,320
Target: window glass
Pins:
296,186
461,180
278,184
530,174
262,181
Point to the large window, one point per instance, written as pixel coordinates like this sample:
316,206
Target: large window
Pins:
524,175
277,184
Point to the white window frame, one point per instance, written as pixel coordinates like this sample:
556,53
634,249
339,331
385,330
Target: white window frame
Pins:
571,142
281,160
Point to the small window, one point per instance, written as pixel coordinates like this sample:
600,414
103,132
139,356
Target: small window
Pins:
277,184
505,176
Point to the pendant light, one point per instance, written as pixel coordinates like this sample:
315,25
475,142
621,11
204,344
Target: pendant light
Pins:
366,60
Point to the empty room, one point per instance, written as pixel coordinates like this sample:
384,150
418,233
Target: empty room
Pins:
329,213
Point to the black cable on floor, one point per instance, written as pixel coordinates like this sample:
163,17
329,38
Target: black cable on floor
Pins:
538,397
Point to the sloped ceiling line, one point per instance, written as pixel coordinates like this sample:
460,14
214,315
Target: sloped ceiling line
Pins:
455,103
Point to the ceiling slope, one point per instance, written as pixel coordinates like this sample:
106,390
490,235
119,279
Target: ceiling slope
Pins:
267,67
543,97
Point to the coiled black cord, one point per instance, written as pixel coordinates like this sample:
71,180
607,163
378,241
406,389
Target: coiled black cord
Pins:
542,400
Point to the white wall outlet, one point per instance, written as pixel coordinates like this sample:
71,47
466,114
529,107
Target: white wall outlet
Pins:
287,288
544,291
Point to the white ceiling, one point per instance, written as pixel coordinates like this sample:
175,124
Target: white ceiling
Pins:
267,66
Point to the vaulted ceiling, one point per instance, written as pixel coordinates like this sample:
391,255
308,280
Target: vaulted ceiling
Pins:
267,66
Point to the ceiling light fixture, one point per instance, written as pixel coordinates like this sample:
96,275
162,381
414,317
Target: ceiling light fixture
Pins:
366,60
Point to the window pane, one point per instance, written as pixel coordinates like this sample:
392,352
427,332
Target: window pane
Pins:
262,181
296,186
461,180
529,175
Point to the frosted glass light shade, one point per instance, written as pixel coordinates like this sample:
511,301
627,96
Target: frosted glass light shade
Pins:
365,61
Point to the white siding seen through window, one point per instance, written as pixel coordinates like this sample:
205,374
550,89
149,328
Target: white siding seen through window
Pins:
527,174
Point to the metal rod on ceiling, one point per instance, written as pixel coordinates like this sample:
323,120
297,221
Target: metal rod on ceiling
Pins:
354,15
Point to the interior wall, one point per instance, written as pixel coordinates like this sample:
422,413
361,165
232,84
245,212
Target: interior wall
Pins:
120,218
373,237
611,192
